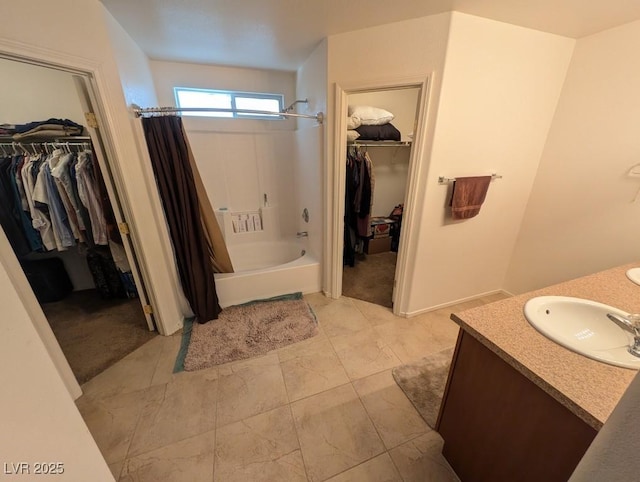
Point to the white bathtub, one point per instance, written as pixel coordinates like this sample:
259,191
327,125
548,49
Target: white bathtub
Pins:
266,269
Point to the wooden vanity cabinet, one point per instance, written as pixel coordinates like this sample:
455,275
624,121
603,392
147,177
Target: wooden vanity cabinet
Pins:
498,425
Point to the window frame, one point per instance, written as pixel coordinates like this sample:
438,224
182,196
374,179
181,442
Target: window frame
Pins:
233,94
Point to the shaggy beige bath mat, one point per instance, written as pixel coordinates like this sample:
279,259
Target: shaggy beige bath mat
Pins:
423,383
247,330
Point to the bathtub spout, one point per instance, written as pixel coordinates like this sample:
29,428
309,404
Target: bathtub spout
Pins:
302,234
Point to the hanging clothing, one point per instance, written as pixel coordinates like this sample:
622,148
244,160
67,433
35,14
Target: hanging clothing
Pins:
58,200
59,170
113,233
62,172
21,205
358,202
105,274
39,218
9,212
17,170
88,193
46,193
350,219
366,199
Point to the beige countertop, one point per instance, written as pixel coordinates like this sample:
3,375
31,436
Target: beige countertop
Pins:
588,388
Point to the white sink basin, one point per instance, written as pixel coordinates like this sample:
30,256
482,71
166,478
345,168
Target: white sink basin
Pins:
634,275
582,326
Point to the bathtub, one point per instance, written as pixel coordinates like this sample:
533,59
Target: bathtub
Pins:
268,268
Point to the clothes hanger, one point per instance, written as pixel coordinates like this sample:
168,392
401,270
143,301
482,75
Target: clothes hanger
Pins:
24,149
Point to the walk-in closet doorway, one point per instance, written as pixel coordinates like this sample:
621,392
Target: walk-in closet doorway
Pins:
398,226
380,131
89,284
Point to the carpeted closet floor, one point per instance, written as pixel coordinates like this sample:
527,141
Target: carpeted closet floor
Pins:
95,333
371,279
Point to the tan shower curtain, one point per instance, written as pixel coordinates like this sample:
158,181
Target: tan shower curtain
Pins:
218,253
192,224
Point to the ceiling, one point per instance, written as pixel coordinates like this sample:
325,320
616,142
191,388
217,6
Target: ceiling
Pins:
280,34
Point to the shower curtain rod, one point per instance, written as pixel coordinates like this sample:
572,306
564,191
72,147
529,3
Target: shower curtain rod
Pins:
139,112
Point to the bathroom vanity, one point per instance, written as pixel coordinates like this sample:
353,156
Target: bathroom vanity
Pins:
518,406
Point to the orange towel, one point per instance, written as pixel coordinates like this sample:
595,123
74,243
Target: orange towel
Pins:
468,195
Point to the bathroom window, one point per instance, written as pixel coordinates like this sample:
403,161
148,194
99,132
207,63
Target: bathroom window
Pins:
229,99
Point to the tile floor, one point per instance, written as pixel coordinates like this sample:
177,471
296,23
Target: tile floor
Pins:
325,409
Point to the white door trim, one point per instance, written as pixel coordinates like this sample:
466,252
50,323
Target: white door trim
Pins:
407,248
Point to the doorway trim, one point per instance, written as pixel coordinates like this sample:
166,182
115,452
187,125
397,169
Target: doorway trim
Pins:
418,162
46,58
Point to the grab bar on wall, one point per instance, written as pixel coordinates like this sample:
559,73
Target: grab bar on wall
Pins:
140,112
444,180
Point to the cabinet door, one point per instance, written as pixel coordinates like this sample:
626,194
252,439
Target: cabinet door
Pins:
497,425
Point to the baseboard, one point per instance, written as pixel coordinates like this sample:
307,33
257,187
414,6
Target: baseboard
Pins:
454,302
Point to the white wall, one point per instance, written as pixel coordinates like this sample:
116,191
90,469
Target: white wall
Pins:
311,84
500,84
39,420
32,93
167,75
580,217
70,33
500,88
239,160
86,45
413,49
133,65
390,169
135,180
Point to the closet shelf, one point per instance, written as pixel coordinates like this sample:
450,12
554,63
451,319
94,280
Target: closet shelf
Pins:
379,143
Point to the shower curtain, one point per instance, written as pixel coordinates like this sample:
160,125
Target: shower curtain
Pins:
196,237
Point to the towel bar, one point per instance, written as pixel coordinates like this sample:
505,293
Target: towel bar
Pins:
443,180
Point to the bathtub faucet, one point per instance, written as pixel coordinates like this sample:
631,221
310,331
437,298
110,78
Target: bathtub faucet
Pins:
302,234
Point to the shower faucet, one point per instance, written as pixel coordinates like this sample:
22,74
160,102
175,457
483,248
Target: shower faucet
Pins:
302,234
299,101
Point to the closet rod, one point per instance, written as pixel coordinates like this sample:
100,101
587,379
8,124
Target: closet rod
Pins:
140,112
43,143
443,180
49,143
379,143
42,146
40,140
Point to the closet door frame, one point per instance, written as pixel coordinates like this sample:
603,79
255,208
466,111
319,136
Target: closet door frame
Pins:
334,241
74,66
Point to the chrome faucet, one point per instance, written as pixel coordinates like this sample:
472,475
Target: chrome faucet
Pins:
630,323
304,234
